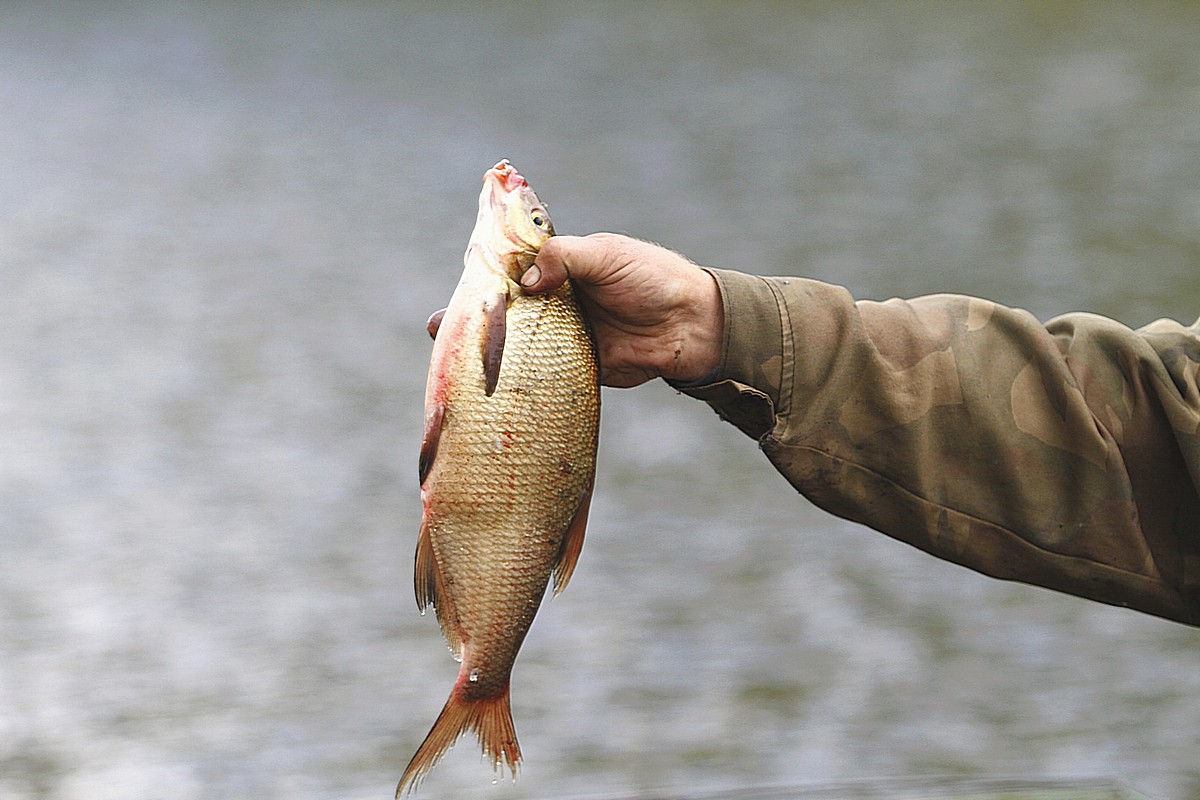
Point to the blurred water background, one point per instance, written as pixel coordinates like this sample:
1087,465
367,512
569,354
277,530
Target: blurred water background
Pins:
222,227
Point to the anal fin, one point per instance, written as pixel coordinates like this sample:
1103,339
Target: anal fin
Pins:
425,571
431,590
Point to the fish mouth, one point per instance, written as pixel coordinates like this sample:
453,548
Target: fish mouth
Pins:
502,179
505,193
506,175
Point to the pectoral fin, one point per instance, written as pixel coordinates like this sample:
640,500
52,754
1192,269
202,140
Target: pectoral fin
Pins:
572,543
495,313
434,323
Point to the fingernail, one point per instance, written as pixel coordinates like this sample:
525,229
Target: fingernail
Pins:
531,276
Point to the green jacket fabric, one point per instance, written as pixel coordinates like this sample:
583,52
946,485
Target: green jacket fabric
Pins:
1064,454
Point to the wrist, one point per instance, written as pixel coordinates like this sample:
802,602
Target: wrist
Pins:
698,348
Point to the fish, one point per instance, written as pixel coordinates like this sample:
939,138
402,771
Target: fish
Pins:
506,466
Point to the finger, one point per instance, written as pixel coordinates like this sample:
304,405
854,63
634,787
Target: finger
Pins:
435,322
586,259
549,268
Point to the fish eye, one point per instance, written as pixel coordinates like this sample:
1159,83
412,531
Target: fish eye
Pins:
538,217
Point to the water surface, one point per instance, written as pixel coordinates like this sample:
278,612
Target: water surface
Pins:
222,228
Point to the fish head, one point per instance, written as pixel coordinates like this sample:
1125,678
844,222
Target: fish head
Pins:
513,223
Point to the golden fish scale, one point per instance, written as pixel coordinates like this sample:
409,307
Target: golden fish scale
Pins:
511,471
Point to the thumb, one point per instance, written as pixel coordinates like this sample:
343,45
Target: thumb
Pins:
552,265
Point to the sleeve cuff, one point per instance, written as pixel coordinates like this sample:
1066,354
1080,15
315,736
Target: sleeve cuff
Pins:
745,389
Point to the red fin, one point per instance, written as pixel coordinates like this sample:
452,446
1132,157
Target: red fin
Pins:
427,579
496,313
429,441
491,720
572,543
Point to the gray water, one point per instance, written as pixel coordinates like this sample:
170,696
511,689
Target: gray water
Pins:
222,227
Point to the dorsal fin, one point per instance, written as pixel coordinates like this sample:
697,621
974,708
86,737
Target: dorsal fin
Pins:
572,543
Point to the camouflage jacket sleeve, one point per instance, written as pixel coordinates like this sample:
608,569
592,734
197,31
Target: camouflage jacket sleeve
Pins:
1064,454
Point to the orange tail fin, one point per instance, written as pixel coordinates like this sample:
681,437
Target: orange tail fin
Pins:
490,719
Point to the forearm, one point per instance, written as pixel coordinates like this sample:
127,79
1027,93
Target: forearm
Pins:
1056,455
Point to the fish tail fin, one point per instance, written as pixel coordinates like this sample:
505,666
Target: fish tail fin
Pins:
491,720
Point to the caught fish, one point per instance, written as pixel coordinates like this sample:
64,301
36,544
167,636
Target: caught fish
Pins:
508,458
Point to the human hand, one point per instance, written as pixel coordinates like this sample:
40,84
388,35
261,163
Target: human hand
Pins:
653,312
